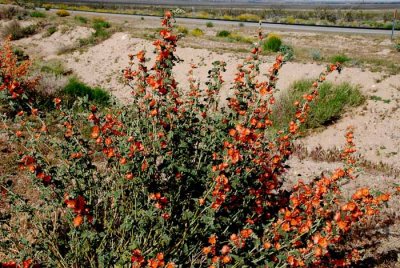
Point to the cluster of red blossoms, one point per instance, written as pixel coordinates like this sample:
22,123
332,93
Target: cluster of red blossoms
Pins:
29,162
25,264
78,205
158,262
161,203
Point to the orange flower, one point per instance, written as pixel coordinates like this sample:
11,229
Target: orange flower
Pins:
78,220
95,132
212,240
226,259
361,193
168,14
267,245
206,250
145,165
384,197
246,233
342,225
225,250
140,56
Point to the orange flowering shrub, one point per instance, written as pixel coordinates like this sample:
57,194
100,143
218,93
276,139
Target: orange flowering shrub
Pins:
16,86
176,179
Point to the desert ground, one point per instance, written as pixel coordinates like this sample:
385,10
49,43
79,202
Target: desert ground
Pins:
374,69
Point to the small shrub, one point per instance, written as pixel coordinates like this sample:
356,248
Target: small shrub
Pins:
37,14
209,24
13,29
182,29
288,51
17,32
81,19
272,43
62,13
20,54
236,37
328,107
100,23
340,58
54,66
75,89
316,55
397,47
101,26
197,32
241,24
223,33
11,12
50,31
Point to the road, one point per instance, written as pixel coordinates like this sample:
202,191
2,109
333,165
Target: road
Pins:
271,26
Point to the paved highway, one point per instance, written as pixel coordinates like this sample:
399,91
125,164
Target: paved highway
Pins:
272,26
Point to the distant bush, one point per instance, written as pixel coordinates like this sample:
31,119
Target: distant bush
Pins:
248,17
197,32
227,17
316,55
203,15
272,43
397,47
234,37
209,24
330,105
290,20
16,31
47,7
340,58
241,24
37,14
62,13
223,33
81,19
76,88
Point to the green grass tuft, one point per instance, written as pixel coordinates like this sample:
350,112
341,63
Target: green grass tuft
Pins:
272,43
37,14
340,58
327,108
76,88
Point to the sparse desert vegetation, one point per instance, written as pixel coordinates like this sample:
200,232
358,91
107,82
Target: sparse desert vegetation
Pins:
226,147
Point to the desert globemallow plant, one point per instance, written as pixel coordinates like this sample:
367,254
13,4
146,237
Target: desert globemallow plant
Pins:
174,179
